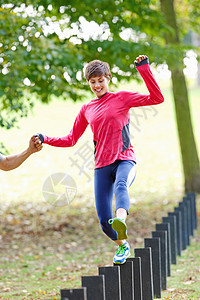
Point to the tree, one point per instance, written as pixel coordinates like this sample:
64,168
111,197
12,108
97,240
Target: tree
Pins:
33,62
43,48
189,153
146,27
59,49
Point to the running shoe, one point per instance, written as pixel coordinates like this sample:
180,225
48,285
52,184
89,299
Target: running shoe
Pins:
122,253
120,227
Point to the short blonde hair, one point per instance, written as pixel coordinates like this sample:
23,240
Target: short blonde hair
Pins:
97,68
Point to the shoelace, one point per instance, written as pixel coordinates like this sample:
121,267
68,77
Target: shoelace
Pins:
110,221
121,249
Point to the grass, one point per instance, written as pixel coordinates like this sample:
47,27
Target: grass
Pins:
45,248
185,280
55,251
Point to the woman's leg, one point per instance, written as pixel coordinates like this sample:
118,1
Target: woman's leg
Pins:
103,186
125,175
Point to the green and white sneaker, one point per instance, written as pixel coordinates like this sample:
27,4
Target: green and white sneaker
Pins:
122,253
120,227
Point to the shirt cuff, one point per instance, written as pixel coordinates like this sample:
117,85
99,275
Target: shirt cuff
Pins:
143,62
41,136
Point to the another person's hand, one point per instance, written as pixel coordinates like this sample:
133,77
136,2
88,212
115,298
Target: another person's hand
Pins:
38,142
35,144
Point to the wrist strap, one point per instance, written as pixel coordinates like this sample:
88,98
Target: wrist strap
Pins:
143,62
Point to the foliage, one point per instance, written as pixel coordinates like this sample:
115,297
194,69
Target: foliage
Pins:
3,149
32,63
44,47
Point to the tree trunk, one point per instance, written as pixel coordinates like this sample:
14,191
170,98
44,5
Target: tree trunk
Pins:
189,153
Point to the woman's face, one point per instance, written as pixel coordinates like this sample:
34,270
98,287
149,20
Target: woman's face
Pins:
99,85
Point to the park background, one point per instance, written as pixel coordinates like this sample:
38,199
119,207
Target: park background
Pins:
45,247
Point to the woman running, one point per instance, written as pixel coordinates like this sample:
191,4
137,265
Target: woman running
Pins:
108,116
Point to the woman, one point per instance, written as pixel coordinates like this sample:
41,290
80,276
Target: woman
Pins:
108,116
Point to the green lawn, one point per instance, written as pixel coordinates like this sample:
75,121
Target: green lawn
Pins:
184,282
44,250
44,247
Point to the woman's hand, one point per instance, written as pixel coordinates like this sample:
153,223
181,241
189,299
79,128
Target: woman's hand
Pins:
140,58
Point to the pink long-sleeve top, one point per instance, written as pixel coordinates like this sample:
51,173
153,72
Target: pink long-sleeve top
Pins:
109,119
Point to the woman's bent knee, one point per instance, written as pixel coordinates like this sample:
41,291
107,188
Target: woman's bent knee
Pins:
107,229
